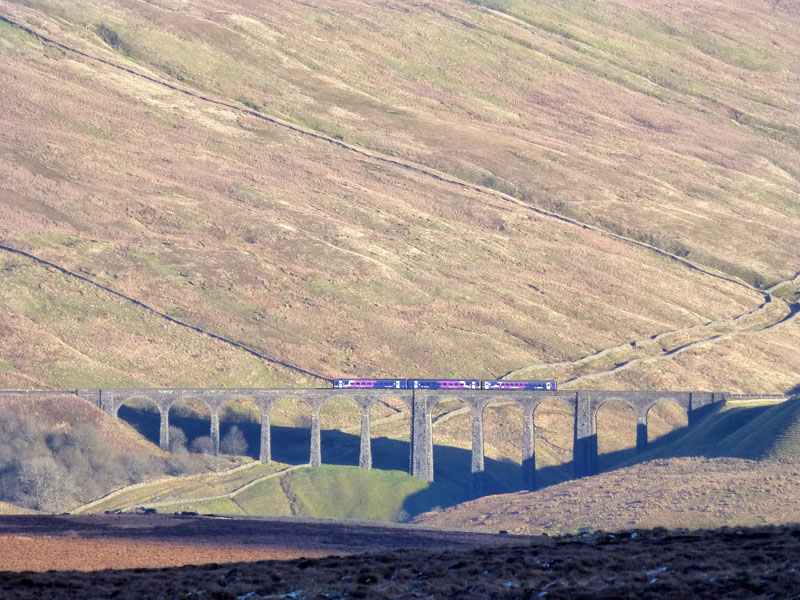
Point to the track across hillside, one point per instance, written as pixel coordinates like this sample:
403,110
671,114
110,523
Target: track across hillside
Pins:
163,315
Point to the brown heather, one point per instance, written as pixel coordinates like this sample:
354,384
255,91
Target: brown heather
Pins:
401,563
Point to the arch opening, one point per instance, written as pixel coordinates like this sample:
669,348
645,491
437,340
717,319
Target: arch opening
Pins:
451,446
502,426
290,431
141,413
340,424
451,438
240,428
554,443
664,418
189,419
616,433
390,425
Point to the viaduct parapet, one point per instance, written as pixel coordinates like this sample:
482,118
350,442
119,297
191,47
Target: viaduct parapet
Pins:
421,403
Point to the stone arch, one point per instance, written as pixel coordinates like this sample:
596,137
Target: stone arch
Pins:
450,446
390,424
554,441
242,411
290,422
502,435
192,414
502,421
136,400
616,423
145,414
665,416
340,429
240,408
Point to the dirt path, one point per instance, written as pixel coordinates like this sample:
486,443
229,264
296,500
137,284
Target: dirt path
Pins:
774,312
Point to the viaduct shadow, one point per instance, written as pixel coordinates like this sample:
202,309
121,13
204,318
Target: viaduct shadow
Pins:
453,480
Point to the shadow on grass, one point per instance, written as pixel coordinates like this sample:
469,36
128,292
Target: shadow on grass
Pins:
291,445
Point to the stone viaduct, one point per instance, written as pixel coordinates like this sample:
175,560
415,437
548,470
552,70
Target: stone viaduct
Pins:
421,403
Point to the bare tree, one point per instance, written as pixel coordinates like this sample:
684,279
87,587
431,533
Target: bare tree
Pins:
45,483
202,445
233,442
177,439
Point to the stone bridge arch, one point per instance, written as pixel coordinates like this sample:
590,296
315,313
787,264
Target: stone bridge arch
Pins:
190,411
665,416
112,408
339,414
502,425
164,400
619,426
531,407
218,408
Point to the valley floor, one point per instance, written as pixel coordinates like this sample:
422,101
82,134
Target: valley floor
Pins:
732,562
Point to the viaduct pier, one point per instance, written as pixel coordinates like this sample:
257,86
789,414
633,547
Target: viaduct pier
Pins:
584,406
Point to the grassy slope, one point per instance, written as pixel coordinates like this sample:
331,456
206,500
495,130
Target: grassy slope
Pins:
753,432
330,491
682,492
13,509
344,264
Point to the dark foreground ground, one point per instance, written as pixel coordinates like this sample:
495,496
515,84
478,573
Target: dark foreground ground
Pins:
406,563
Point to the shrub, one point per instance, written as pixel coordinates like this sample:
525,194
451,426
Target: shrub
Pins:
234,442
177,439
45,482
138,467
202,445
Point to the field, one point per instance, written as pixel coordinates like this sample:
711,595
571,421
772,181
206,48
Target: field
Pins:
400,562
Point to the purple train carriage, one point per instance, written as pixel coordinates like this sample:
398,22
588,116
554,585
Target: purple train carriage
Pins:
378,384
444,384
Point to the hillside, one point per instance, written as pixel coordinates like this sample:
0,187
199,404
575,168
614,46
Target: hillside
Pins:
12,509
738,466
449,188
60,452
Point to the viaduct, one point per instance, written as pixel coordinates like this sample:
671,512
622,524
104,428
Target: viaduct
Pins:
421,403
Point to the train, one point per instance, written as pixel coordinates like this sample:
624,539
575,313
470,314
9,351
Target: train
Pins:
443,384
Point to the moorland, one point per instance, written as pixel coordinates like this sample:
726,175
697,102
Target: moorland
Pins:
248,194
